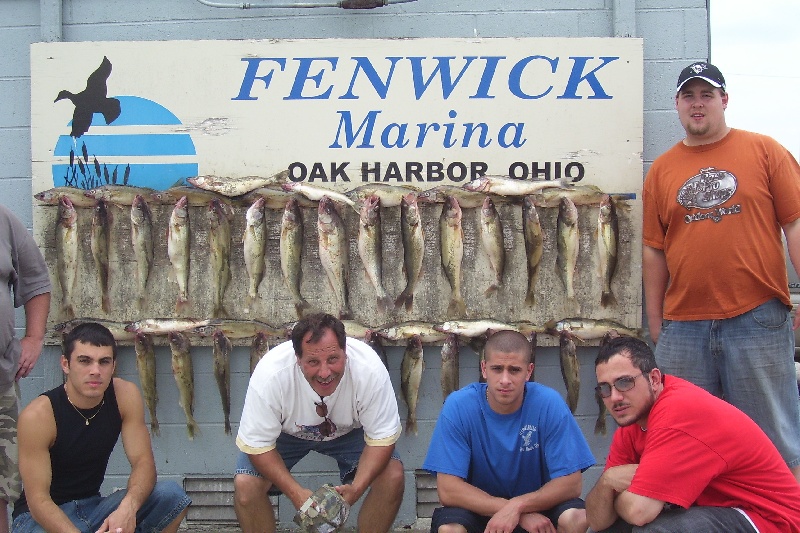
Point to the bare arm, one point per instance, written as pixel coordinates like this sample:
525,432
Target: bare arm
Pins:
136,441
655,277
456,492
792,232
371,463
600,508
36,310
36,432
270,465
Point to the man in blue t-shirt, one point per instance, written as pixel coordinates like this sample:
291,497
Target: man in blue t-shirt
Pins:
507,454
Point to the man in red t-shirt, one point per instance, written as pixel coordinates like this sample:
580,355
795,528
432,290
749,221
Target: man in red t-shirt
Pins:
682,459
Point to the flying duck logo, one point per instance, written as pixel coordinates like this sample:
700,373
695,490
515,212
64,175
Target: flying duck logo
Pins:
133,140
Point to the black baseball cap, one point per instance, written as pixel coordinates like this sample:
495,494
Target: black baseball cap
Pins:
704,71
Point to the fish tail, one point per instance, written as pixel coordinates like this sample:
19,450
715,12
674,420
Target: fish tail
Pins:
192,428
493,288
385,303
300,307
227,425
154,428
182,305
608,299
600,426
530,298
457,306
69,310
406,298
411,423
106,303
345,314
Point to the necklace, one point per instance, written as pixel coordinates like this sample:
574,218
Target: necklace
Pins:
102,403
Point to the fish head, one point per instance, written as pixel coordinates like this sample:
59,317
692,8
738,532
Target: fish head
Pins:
606,208
529,209
289,186
178,339
567,211
415,343
197,181
488,208
452,211
326,210
68,215
370,210
255,213
44,196
292,215
480,184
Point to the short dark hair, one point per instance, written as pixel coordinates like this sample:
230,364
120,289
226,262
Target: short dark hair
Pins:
508,341
634,349
89,333
317,324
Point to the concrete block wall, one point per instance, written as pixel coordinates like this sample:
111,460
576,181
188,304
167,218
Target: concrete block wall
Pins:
674,33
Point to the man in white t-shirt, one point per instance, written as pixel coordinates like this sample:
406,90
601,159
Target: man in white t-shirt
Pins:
324,392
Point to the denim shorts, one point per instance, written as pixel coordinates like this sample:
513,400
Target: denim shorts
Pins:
679,520
345,449
165,504
475,523
747,360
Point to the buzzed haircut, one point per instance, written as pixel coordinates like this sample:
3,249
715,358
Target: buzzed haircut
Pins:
508,341
640,354
317,324
89,333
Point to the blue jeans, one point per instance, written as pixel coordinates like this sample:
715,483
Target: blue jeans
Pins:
164,505
747,360
678,520
345,449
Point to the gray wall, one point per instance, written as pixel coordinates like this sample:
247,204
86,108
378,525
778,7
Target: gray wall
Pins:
675,33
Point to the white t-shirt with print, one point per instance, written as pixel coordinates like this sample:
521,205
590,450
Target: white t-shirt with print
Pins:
280,399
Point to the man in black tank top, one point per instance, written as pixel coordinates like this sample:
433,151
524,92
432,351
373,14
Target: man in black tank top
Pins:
66,436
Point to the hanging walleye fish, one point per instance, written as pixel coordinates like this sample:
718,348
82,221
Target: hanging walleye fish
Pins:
258,349
178,239
370,248
452,251
67,254
568,239
221,350
449,375
333,251
219,247
491,231
413,249
146,365
254,242
570,369
291,248
100,243
410,377
184,378
607,240
142,241
534,245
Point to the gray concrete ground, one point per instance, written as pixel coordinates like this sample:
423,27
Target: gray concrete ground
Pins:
422,526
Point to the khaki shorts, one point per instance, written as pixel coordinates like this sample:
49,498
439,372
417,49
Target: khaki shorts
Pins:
10,482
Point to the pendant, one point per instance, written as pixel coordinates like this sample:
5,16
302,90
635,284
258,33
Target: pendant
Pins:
87,422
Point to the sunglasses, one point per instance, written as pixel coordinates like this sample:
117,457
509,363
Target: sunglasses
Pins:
623,384
327,428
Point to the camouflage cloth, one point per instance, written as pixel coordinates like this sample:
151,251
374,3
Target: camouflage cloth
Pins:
323,512
10,483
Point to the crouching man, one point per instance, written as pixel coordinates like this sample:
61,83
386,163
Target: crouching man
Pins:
682,459
66,437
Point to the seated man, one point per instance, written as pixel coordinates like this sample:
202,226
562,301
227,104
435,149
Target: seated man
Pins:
324,392
508,455
66,436
682,459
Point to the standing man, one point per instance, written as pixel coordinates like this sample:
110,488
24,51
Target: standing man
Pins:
714,271
324,392
507,454
683,460
66,437
23,272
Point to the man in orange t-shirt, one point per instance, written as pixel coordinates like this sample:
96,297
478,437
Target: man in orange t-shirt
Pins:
715,207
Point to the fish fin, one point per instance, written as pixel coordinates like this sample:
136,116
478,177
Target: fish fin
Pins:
406,298
457,307
411,424
530,298
154,428
600,426
192,429
493,288
301,307
385,303
608,299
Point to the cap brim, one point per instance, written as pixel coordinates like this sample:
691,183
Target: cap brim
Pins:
712,82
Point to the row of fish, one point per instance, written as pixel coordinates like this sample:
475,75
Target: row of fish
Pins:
333,241
451,334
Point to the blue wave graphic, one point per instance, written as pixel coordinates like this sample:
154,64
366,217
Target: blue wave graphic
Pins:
142,144
155,176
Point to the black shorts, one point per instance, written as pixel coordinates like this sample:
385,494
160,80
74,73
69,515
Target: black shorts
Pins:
475,523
